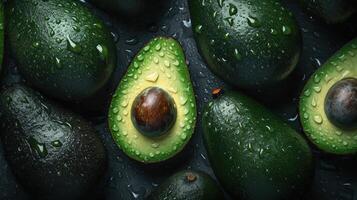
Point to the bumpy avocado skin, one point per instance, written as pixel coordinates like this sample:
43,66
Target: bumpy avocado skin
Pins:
161,63
249,44
316,125
331,11
253,153
53,153
61,47
178,187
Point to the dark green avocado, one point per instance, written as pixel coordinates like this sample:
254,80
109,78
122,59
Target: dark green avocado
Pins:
331,11
253,153
188,185
61,47
248,43
328,104
130,8
53,153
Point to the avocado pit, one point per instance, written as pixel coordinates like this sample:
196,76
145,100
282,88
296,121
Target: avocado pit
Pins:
341,103
153,112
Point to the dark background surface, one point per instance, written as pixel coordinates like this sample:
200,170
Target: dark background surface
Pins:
336,177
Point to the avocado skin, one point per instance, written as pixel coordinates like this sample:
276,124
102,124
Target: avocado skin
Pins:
331,11
66,171
242,55
178,187
253,153
56,43
130,8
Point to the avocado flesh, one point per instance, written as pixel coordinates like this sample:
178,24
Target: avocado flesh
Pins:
60,46
161,63
53,153
188,185
253,153
324,134
249,44
331,11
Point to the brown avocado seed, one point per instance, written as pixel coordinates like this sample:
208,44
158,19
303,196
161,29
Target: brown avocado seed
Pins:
341,103
153,112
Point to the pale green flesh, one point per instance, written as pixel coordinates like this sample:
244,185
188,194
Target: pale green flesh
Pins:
160,64
317,126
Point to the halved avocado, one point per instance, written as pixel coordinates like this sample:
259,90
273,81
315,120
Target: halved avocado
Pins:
153,111
328,104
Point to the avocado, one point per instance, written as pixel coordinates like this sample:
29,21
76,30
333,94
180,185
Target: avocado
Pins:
188,185
328,104
331,11
153,111
129,8
2,26
249,44
60,46
253,153
53,153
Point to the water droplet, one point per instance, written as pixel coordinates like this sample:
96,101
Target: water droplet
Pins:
286,30
103,52
232,9
318,119
198,29
72,46
237,55
153,77
39,148
56,143
220,3
253,22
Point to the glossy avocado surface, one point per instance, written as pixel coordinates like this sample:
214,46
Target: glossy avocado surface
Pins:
188,185
328,109
251,150
54,153
158,77
249,44
61,48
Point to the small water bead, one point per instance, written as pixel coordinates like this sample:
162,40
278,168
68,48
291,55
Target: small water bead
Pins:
286,30
318,119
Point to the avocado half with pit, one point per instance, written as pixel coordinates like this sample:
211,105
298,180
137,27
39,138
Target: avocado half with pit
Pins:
153,111
328,105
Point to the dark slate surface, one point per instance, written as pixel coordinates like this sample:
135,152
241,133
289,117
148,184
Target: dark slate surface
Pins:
336,177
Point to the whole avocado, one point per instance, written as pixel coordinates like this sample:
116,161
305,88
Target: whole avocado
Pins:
249,44
53,153
188,185
60,46
331,11
253,153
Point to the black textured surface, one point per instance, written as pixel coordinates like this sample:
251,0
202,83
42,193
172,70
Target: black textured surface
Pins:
336,177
